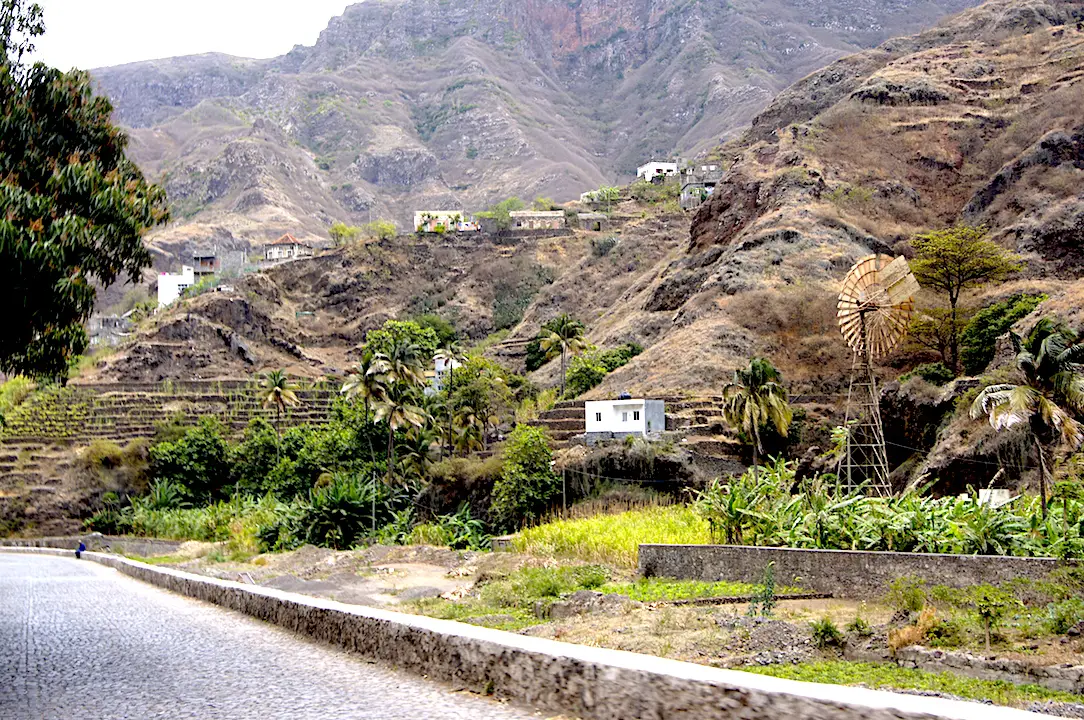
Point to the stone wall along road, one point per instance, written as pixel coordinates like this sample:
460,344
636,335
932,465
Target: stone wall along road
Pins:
844,573
574,680
79,641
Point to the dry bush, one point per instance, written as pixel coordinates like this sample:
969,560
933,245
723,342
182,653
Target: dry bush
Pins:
913,634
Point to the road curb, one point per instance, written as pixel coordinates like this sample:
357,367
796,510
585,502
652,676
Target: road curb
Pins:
585,682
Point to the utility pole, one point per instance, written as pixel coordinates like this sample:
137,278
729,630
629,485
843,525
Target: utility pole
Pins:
374,505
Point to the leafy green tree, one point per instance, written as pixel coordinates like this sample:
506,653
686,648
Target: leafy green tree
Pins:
198,461
584,372
443,327
755,399
343,234
424,339
544,203
1051,361
527,484
979,338
566,337
956,259
278,392
380,229
501,213
255,456
365,383
609,195
74,207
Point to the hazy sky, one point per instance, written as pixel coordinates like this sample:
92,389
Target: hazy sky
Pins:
97,33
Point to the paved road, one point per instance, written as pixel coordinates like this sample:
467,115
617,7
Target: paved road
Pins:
79,641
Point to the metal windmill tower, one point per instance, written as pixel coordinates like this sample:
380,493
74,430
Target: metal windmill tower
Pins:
874,310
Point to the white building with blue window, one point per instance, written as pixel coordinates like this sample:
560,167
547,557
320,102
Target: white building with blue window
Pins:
619,418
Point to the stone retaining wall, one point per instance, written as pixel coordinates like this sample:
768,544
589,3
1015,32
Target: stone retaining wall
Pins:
580,681
1065,677
144,547
844,573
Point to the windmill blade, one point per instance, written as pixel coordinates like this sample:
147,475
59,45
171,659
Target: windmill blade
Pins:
880,289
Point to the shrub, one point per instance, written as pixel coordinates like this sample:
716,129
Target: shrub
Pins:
826,634
1063,615
527,484
198,461
584,372
101,455
620,356
13,392
602,246
424,338
934,373
907,593
254,457
979,338
763,600
912,634
860,627
946,633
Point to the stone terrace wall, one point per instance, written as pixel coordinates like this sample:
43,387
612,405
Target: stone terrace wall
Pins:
575,680
846,573
144,547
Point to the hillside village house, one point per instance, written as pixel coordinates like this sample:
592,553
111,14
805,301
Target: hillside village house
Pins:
698,184
594,221
286,247
171,286
204,262
621,418
537,219
442,221
442,368
655,169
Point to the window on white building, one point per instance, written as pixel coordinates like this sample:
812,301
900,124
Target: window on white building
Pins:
624,417
598,417
635,414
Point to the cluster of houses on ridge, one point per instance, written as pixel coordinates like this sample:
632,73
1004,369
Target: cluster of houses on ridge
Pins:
697,182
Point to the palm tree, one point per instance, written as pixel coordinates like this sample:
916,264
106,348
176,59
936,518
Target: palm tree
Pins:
565,334
452,356
417,452
280,394
365,382
469,430
402,375
398,407
1050,359
754,399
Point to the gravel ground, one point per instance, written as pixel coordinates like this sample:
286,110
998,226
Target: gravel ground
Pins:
81,642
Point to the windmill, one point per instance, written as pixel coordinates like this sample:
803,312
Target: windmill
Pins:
874,310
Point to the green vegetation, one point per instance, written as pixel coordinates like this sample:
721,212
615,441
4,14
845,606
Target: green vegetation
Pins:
13,392
69,188
501,212
527,484
888,676
956,259
933,373
826,634
565,336
514,291
600,247
383,340
754,400
980,336
762,511
591,367
648,193
1046,402
614,539
279,394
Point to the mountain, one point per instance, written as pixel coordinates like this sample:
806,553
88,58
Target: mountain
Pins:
412,104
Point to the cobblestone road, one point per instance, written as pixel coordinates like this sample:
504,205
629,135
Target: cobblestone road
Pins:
79,641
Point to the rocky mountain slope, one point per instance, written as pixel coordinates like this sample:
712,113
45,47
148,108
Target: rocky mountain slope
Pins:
974,121
408,104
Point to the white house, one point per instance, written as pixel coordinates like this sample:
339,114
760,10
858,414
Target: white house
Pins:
171,286
624,417
286,247
655,169
442,367
430,220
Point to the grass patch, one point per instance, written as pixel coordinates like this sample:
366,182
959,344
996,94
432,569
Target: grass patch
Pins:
474,609
158,559
874,675
614,539
655,589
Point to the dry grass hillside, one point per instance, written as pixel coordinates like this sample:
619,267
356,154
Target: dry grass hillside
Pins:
425,104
